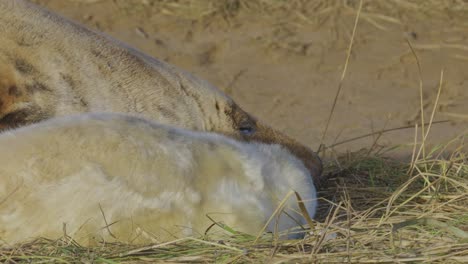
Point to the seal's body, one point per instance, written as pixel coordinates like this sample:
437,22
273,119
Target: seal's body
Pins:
119,177
50,66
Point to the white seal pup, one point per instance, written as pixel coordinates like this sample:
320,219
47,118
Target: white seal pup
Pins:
110,176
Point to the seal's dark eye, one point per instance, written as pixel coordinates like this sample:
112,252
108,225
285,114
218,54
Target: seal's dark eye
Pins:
247,129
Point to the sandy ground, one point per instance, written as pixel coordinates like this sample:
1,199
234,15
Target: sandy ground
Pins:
283,64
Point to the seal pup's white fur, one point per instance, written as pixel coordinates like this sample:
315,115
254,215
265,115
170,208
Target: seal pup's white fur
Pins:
50,66
143,176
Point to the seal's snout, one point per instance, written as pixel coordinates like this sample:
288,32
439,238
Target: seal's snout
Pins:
309,158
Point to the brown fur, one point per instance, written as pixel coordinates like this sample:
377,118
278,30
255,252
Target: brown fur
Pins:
50,66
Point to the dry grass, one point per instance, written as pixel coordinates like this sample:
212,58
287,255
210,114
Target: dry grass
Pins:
377,13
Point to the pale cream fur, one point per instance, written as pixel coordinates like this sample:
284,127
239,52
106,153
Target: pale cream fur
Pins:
50,66
151,181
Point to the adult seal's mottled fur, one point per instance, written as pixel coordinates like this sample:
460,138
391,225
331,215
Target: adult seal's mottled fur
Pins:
50,66
142,180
